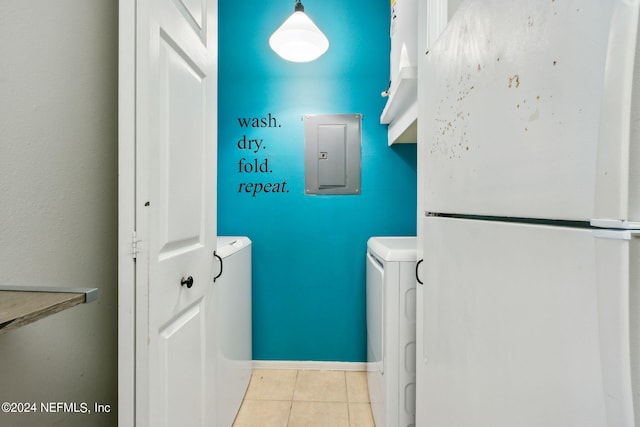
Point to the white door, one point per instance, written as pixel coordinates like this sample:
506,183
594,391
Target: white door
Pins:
173,77
511,328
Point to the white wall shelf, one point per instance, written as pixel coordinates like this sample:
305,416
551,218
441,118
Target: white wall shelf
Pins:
401,110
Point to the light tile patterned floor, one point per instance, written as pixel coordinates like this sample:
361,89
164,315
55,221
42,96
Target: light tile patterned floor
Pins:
288,398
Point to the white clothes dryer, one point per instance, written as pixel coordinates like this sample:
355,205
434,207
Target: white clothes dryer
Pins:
391,330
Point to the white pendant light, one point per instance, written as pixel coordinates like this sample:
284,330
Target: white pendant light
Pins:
298,39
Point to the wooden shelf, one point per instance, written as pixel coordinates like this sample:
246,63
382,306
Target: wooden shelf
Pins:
20,305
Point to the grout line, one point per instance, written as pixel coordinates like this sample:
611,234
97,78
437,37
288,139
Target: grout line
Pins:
289,414
346,386
346,390
295,384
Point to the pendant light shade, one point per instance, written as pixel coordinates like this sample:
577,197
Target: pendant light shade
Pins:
298,39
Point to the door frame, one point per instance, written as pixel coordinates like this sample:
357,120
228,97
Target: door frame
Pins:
126,211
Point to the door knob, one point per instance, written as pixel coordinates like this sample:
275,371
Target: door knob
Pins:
188,281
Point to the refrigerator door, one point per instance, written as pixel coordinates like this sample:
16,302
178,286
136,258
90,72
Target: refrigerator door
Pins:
510,106
510,328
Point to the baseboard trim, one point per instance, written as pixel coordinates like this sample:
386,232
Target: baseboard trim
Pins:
309,365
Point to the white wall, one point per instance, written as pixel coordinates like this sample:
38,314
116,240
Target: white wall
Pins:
58,200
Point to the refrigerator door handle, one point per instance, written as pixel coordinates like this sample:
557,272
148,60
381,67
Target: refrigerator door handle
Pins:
613,278
612,170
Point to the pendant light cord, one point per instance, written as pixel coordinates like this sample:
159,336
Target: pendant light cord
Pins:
299,7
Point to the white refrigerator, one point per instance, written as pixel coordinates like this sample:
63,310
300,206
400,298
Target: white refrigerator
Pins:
529,133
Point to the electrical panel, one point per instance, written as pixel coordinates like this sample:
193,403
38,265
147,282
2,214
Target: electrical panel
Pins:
332,153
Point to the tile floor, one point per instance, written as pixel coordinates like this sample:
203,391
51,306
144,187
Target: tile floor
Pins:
289,398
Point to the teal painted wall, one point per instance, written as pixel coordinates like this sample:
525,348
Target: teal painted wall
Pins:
308,251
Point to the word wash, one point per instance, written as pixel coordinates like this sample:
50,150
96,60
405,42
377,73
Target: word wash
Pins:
253,164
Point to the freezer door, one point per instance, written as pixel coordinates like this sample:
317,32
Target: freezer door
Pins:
510,331
510,106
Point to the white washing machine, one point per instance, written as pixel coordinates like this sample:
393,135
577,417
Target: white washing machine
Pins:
391,330
230,344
